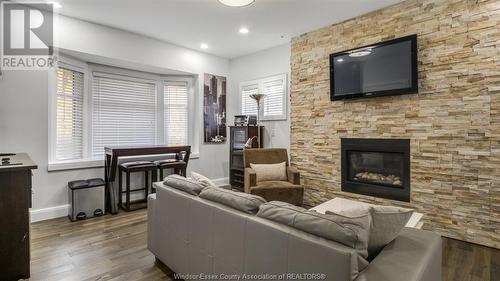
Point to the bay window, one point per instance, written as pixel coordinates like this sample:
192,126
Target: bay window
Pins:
95,106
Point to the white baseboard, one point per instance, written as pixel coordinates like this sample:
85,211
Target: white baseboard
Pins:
49,213
62,210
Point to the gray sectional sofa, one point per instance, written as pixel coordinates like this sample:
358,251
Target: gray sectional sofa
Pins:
201,239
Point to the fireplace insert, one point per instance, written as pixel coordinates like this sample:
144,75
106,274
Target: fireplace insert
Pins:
376,167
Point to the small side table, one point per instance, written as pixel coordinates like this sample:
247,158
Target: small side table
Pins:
340,204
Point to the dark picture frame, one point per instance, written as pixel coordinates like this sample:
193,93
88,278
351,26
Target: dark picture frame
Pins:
214,108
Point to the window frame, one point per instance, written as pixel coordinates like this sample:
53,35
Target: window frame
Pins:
191,105
260,86
88,70
73,65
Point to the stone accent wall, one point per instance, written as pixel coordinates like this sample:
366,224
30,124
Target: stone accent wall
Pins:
453,123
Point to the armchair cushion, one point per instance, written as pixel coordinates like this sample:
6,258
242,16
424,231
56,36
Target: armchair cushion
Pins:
279,191
270,172
275,184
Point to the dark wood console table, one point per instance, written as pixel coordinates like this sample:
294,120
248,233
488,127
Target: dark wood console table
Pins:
15,201
111,164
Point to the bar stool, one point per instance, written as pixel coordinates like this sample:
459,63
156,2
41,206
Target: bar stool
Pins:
179,164
134,167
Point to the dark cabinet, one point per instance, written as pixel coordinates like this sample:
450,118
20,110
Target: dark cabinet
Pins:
239,135
15,201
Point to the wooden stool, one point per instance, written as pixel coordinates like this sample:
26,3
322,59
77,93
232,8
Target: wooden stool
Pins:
133,167
179,164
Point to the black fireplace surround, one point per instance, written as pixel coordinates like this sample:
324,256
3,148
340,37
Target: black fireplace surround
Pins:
376,167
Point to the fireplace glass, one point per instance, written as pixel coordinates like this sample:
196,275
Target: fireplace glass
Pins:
378,168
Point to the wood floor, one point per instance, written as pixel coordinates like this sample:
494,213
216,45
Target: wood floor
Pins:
114,248
464,261
106,248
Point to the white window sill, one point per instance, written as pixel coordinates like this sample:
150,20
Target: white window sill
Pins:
75,165
89,163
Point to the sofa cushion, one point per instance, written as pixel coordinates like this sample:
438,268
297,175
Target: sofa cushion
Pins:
386,224
270,172
350,231
202,180
244,202
184,184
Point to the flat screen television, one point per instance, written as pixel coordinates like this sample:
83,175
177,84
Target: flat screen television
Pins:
387,68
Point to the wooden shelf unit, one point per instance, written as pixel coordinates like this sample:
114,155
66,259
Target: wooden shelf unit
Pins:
238,137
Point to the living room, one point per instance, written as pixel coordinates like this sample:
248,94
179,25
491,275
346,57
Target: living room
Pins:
250,140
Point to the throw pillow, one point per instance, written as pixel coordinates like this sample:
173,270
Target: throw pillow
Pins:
270,172
184,184
352,232
244,202
202,180
386,224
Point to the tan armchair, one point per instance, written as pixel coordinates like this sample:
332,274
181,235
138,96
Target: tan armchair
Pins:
289,191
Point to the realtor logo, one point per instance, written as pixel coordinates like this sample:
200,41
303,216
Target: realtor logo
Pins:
27,35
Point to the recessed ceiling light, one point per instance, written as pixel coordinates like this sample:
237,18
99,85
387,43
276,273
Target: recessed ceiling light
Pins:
57,5
244,30
236,3
204,46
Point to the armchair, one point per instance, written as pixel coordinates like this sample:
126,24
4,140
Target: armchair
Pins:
287,191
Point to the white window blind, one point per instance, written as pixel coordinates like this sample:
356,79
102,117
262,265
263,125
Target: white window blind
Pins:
175,95
69,114
274,100
273,105
124,112
249,105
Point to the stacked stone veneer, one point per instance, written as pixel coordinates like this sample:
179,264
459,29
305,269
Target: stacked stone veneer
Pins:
453,123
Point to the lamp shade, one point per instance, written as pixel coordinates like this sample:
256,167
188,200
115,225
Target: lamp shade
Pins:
236,3
257,97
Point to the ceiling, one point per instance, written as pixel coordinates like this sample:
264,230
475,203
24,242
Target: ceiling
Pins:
189,23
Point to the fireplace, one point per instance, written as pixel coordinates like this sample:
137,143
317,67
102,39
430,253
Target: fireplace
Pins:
376,167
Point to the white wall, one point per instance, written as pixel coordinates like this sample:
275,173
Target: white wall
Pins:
24,128
259,65
24,104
